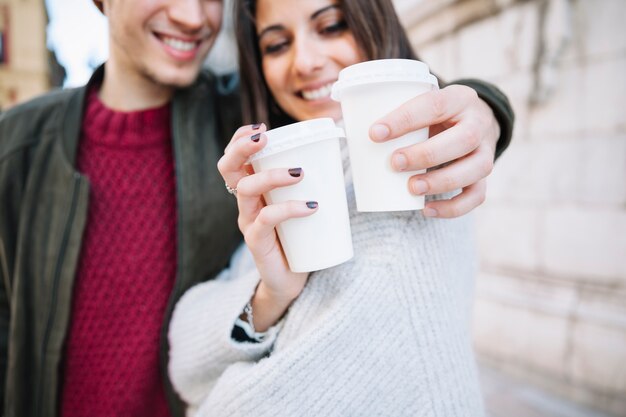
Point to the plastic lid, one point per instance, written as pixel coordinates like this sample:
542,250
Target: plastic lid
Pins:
298,134
381,71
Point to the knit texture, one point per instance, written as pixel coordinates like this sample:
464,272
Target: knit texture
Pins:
127,266
385,334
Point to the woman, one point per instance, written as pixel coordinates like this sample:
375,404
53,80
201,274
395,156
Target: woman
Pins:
383,334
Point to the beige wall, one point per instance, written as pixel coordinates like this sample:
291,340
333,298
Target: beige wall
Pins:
551,295
26,73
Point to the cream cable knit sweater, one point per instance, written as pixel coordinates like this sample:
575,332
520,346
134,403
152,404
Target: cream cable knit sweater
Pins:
385,334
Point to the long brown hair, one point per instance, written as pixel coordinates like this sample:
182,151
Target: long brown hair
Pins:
373,23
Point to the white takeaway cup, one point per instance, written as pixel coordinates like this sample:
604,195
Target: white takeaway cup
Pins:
368,91
322,239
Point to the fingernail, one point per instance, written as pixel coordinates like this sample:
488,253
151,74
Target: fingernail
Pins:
379,132
419,187
429,212
399,162
295,172
256,126
311,204
256,137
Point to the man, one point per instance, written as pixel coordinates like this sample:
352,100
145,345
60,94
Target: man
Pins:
110,208
110,211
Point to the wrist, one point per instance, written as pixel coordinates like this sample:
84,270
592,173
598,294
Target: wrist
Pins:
269,307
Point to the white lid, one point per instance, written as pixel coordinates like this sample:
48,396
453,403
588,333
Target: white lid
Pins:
381,71
298,134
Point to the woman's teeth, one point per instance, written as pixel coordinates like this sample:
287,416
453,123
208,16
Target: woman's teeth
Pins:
179,45
318,93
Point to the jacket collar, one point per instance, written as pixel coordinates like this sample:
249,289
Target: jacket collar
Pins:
72,118
72,115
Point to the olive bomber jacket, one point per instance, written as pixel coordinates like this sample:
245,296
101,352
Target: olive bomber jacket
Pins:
43,210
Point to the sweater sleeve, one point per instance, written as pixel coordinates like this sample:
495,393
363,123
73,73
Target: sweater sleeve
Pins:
500,105
200,333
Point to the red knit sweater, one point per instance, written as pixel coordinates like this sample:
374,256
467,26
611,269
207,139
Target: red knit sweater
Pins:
127,265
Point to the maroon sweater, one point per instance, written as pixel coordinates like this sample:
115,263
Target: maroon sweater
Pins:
127,265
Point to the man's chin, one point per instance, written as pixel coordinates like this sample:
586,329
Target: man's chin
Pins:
176,79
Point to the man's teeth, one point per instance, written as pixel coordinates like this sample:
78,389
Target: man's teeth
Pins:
178,44
317,94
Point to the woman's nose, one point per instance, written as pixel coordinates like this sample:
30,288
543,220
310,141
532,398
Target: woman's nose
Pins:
308,57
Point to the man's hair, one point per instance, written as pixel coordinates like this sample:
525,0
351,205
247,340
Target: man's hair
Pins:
373,23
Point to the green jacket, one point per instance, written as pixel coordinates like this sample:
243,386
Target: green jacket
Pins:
43,210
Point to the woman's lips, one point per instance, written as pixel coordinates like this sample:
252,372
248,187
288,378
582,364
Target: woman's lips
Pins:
316,93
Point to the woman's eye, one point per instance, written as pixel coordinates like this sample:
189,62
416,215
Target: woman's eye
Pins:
275,47
337,27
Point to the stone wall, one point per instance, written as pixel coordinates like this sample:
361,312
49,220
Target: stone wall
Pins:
25,75
551,295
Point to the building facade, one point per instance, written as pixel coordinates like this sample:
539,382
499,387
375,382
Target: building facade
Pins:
551,295
24,59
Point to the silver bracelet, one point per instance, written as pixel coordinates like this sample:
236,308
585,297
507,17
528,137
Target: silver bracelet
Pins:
249,318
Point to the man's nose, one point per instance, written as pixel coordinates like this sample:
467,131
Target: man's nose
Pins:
188,13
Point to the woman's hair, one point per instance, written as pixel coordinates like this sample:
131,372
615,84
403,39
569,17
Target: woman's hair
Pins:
373,23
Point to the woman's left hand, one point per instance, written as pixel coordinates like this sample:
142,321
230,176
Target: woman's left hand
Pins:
463,137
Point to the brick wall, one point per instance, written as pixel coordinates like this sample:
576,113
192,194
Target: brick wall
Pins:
551,295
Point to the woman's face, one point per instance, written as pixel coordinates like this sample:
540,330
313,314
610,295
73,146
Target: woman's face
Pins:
304,44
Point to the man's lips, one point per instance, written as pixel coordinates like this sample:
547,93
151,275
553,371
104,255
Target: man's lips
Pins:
179,44
185,48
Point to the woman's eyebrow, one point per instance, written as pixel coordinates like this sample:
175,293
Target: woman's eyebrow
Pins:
270,29
281,27
323,9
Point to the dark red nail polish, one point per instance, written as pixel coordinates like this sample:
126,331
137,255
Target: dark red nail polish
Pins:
255,137
295,172
256,126
311,204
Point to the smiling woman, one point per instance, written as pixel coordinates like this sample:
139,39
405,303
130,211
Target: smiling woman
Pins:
384,333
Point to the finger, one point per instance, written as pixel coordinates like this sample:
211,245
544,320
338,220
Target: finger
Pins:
460,173
471,197
451,144
261,231
251,189
247,130
232,165
422,111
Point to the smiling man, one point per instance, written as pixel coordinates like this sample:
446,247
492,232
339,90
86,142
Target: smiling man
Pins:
110,210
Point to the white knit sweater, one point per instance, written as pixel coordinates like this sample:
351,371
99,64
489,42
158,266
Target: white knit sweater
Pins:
385,334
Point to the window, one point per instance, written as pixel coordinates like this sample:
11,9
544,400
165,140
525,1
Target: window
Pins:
4,34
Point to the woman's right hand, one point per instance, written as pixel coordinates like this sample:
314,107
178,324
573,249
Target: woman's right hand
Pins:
279,286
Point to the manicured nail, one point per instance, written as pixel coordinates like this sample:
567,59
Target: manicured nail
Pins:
430,212
399,162
295,172
379,132
256,137
419,187
256,126
311,204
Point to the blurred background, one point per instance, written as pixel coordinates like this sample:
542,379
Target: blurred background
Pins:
550,310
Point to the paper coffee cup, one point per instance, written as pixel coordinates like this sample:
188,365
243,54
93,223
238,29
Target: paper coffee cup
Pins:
322,239
368,91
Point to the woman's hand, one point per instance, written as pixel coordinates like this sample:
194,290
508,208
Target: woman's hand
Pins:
464,133
257,221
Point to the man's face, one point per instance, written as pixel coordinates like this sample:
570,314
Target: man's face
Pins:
162,41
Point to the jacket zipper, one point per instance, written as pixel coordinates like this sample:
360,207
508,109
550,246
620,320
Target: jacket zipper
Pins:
55,287
178,167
